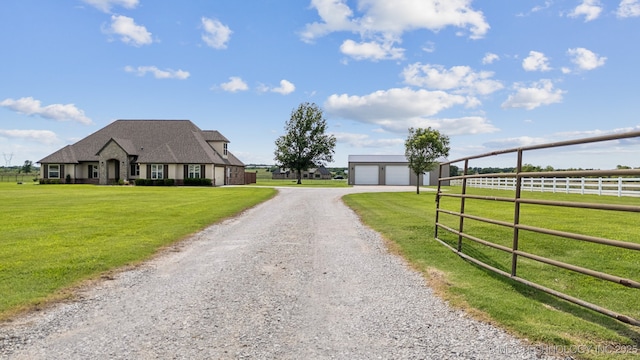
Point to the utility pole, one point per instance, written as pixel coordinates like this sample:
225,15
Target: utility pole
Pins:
7,159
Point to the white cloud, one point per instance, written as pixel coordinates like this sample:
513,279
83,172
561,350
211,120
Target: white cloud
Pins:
398,109
467,125
216,34
547,4
59,112
590,9
129,32
392,103
490,58
371,50
541,93
335,15
461,79
586,59
628,8
538,8
383,22
234,84
285,88
39,136
106,5
157,73
515,142
429,47
593,133
365,141
536,61
522,141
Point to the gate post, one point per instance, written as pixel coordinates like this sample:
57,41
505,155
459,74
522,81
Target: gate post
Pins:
464,192
516,216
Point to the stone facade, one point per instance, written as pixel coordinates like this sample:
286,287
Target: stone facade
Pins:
114,164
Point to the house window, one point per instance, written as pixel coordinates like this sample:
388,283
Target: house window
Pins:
94,172
135,169
224,148
157,171
54,171
194,172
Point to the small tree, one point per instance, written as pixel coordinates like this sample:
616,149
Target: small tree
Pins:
26,168
305,144
422,148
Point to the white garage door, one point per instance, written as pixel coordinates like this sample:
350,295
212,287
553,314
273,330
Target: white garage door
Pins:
397,175
366,175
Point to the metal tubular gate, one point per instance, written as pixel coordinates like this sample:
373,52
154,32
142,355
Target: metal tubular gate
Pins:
516,226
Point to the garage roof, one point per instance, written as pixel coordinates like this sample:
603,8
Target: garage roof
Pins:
382,159
378,158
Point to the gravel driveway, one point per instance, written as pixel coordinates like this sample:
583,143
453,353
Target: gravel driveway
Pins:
297,277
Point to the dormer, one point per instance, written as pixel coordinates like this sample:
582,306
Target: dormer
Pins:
218,142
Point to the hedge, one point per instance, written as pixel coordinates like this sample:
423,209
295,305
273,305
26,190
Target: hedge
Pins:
197,182
155,182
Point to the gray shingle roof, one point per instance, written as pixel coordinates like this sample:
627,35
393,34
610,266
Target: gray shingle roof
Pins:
153,141
213,135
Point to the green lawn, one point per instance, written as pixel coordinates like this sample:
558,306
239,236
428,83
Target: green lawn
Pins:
407,220
55,236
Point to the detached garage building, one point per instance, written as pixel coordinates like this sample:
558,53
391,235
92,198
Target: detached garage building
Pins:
387,170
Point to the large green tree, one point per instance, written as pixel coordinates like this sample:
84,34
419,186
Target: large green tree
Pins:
422,148
305,143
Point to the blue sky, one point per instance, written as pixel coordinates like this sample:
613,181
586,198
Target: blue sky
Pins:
490,74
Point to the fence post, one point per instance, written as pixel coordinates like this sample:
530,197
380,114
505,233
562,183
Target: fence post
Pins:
600,186
619,186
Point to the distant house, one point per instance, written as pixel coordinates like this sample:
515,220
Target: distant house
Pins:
146,149
319,173
388,170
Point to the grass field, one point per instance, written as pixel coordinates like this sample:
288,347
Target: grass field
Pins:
407,220
55,236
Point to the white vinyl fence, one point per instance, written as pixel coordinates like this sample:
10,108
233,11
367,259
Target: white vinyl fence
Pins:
618,186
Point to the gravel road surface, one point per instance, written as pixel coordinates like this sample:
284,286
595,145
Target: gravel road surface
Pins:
297,277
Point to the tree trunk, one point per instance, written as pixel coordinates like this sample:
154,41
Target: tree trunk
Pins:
299,177
417,183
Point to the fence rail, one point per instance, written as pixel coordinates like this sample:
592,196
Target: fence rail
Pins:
617,186
620,182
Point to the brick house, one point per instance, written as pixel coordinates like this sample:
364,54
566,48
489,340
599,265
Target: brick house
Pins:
146,149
